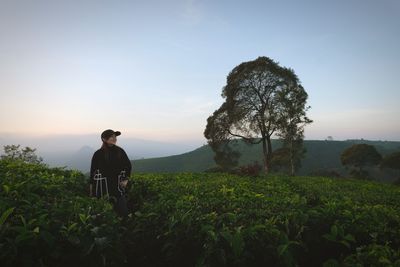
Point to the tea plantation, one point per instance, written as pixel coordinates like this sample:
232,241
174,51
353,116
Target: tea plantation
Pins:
196,219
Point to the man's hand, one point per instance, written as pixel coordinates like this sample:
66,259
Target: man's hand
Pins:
124,183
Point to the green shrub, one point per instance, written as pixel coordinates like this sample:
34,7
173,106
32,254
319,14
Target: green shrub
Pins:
197,219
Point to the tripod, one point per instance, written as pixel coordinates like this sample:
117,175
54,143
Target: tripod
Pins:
99,183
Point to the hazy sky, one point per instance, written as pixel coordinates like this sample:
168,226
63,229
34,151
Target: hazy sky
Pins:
155,69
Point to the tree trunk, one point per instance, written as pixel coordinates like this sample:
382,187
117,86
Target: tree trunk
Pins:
291,158
267,150
264,144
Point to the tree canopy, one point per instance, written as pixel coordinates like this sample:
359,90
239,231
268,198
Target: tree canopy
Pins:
261,98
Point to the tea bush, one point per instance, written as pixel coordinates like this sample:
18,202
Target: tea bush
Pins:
214,219
197,219
47,220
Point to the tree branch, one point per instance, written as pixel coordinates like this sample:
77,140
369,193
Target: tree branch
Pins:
250,140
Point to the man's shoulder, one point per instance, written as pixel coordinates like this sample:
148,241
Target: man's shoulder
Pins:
120,148
98,151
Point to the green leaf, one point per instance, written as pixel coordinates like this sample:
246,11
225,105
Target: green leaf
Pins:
90,248
101,242
6,189
331,263
334,231
71,227
345,243
282,249
138,213
349,237
23,236
5,215
213,235
83,218
237,244
227,235
74,239
48,237
23,220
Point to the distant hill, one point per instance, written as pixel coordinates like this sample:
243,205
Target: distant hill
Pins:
321,154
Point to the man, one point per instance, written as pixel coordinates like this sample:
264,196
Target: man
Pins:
109,172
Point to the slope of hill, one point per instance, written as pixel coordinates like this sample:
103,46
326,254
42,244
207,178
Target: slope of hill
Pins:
320,154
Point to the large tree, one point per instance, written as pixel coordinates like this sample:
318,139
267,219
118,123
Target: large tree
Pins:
256,105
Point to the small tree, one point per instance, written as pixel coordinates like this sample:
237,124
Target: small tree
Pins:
225,157
285,160
252,169
359,156
27,154
392,161
292,121
280,160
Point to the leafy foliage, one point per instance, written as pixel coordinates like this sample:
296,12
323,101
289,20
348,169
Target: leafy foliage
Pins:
261,98
359,156
217,219
391,161
197,219
252,169
26,154
47,219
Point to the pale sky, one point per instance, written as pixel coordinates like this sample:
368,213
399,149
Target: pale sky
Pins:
155,69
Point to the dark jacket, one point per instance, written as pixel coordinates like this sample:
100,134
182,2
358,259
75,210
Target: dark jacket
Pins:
109,163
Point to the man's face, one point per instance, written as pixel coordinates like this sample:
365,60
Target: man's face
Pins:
112,140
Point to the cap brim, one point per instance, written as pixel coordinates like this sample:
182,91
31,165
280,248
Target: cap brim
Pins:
117,133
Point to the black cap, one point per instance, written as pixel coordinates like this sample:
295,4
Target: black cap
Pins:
107,133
